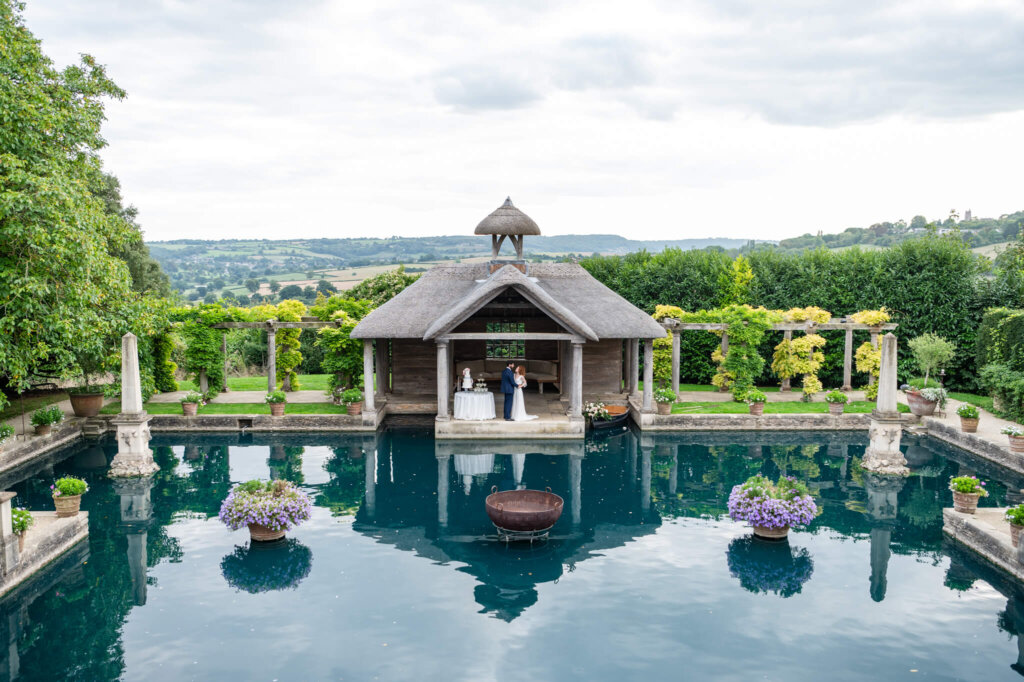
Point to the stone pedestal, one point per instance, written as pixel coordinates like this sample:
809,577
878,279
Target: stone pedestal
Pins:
134,458
883,454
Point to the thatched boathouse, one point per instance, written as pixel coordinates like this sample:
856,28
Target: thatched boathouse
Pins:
577,339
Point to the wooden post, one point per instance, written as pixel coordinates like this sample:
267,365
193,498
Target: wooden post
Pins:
676,342
369,404
788,335
382,377
634,366
648,375
725,351
442,380
576,395
624,379
224,354
874,344
848,361
271,359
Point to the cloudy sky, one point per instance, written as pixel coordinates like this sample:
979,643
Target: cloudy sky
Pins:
736,118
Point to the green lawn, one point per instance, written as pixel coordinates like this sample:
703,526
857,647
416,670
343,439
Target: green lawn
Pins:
710,389
236,408
789,407
32,404
307,382
982,401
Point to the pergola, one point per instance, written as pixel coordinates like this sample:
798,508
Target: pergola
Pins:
787,328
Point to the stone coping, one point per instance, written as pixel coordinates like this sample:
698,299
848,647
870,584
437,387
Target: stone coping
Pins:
16,453
975,444
749,422
47,539
987,533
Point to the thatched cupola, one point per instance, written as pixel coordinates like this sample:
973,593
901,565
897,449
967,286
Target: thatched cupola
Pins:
507,221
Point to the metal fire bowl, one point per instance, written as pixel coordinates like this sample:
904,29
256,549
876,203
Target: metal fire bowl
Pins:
523,510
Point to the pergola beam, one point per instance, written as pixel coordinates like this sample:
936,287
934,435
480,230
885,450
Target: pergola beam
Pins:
510,336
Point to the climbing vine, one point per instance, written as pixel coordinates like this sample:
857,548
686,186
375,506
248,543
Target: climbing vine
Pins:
163,368
203,342
801,355
288,344
741,364
872,318
343,355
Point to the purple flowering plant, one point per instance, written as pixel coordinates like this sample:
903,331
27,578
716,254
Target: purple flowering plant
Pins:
278,505
967,484
764,504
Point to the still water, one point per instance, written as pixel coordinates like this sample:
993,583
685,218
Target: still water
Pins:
396,577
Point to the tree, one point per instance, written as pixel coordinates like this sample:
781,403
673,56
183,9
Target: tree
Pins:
326,288
931,351
275,286
290,291
383,287
252,285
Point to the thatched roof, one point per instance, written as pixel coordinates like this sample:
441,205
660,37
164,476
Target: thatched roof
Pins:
446,295
507,220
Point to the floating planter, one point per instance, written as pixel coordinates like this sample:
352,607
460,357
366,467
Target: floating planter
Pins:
772,508
67,495
268,509
263,568
769,567
967,490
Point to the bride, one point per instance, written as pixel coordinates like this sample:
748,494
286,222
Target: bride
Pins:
518,402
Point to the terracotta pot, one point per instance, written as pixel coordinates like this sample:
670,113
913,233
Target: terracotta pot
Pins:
965,503
920,406
260,533
771,533
43,429
756,409
189,409
1016,443
86,404
1015,533
21,542
277,409
67,505
836,409
664,408
968,425
355,409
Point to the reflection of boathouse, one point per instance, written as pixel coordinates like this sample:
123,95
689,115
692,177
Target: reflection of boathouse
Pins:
572,334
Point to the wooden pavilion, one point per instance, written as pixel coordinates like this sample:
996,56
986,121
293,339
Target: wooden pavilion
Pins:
571,333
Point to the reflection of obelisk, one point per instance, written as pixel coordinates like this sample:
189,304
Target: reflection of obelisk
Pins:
673,473
883,454
1015,618
136,514
645,480
370,497
883,492
575,484
443,466
134,458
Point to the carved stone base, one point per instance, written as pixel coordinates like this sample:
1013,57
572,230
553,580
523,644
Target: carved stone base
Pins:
134,458
883,454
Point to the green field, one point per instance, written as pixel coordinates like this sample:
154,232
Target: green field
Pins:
789,407
307,382
982,401
235,408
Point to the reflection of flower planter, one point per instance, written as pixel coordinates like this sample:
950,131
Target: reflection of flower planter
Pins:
919,405
771,533
262,568
769,567
260,533
965,503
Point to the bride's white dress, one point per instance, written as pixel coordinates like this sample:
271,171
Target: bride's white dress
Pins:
519,403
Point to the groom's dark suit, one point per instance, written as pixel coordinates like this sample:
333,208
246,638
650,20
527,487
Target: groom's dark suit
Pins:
508,387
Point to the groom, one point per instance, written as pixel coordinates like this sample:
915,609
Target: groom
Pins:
508,387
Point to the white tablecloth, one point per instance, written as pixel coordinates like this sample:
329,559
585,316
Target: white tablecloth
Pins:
473,406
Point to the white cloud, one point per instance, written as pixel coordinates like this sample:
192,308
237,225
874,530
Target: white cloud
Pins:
729,118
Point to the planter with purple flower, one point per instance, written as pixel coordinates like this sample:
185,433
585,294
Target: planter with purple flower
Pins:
772,508
967,490
268,509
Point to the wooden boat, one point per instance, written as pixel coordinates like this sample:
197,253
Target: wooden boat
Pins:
618,417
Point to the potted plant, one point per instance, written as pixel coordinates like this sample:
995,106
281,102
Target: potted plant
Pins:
969,416
1015,515
21,521
595,412
1014,433
67,495
6,432
44,419
967,490
836,402
664,397
87,399
353,400
268,509
190,403
923,401
755,402
772,508
276,400
931,351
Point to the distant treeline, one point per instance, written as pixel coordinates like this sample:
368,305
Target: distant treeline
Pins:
931,284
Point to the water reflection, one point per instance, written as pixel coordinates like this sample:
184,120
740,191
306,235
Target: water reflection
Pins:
769,566
266,566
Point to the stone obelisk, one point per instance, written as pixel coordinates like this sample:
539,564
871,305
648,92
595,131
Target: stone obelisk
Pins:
134,458
883,455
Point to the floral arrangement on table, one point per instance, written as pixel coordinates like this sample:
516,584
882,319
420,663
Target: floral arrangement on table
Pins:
48,416
6,431
836,397
259,569
764,568
596,412
276,397
276,505
780,505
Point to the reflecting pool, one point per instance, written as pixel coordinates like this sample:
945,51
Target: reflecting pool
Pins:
398,576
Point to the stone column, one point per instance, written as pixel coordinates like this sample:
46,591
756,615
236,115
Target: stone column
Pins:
676,342
224,355
788,336
134,458
576,394
575,480
883,454
648,404
645,480
848,360
380,352
634,366
136,515
443,466
271,358
368,388
442,381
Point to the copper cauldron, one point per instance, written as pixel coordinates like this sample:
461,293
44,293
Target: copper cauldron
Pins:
523,510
